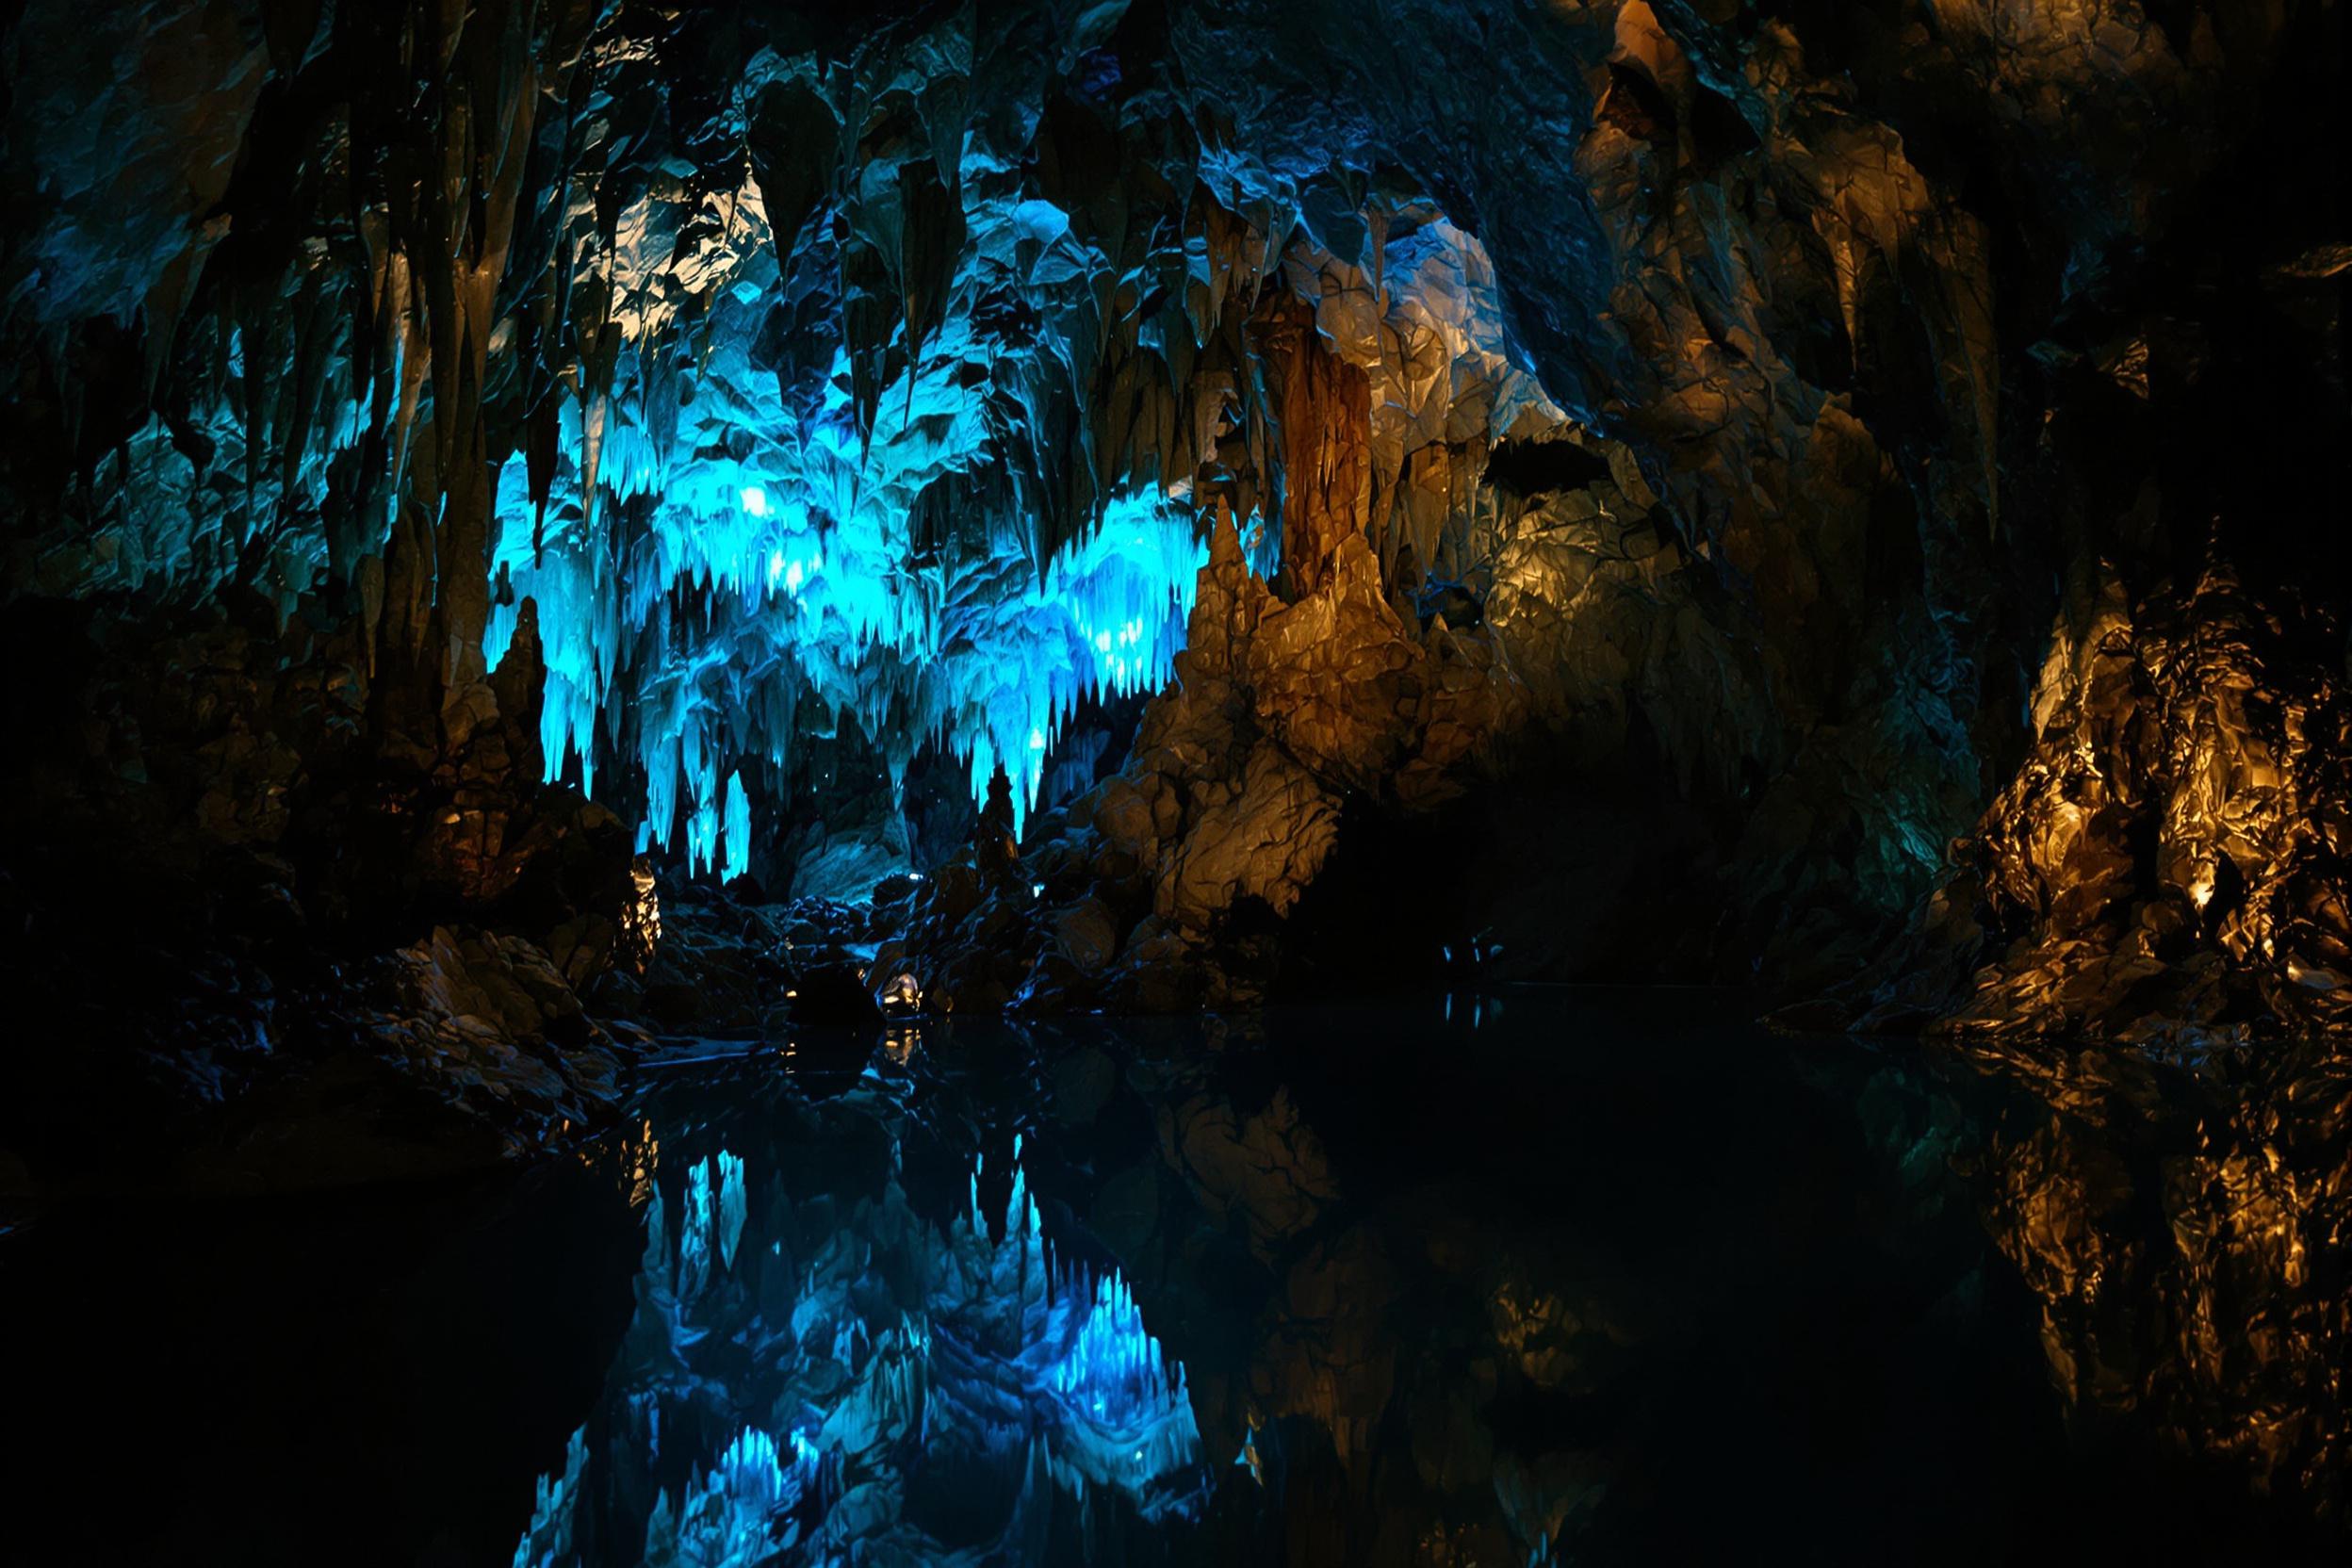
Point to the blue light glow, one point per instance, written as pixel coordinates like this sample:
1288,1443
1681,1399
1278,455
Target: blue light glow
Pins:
768,494
723,556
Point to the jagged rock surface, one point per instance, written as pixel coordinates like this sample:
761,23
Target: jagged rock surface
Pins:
1646,443
1231,800
2172,861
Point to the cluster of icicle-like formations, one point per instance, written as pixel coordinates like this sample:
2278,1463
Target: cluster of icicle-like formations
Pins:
889,384
737,541
835,1358
750,559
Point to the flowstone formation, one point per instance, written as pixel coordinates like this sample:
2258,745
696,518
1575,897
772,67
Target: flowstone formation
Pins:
1588,487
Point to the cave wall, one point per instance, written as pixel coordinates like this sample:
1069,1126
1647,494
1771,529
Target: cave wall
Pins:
1624,486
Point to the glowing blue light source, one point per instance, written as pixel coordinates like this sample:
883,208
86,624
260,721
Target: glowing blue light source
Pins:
940,653
736,833
772,566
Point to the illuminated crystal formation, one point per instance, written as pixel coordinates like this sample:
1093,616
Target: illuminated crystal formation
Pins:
739,536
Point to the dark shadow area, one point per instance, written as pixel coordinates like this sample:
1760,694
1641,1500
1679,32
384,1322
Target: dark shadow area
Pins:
354,1375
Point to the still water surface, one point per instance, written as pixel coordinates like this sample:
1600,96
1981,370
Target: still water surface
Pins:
1533,1277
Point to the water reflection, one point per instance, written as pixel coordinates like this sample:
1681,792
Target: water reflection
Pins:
816,1366
1592,1278
2185,1224
1477,1283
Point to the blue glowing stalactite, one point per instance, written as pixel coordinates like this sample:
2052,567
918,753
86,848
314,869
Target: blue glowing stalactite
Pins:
769,511
993,677
719,554
735,832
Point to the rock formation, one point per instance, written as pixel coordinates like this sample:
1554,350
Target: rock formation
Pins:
1606,476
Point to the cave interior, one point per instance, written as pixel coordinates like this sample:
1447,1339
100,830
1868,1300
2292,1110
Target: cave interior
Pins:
1068,781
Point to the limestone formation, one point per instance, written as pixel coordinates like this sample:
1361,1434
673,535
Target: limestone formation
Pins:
1640,482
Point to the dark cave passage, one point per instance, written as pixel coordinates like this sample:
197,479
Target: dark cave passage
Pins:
1441,784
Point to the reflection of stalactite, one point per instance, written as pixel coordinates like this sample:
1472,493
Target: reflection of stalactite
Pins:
970,1342
546,1540
735,1514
